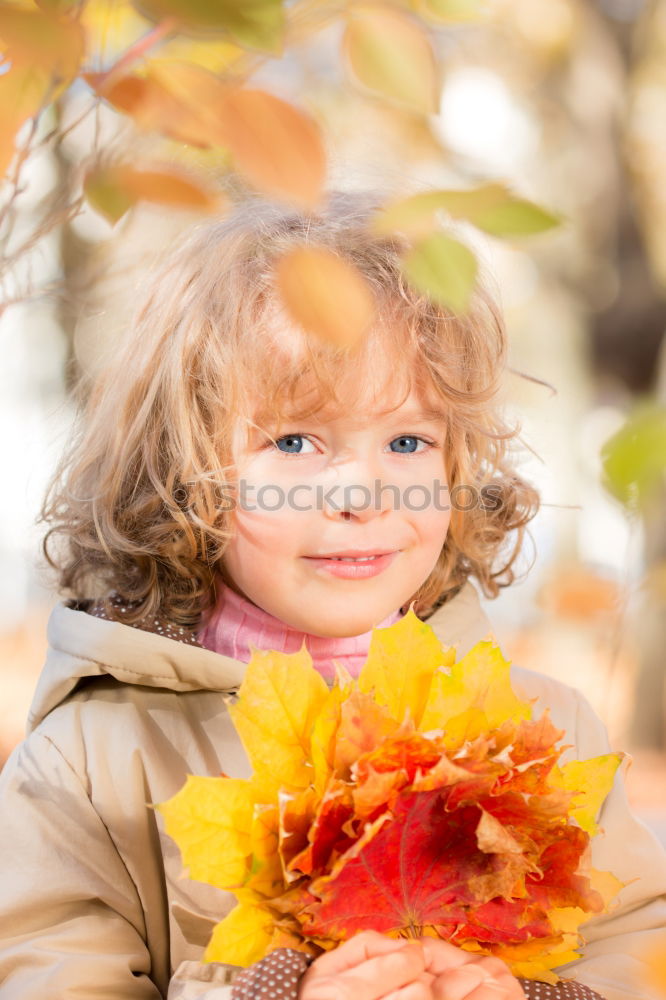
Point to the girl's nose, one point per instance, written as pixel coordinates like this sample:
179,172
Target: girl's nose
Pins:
359,499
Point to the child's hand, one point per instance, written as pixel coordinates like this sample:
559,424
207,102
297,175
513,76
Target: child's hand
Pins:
370,966
460,975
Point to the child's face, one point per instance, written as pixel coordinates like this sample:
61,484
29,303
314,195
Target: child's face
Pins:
335,461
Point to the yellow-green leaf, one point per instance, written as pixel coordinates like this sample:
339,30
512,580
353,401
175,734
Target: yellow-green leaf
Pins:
452,11
634,459
257,24
325,295
211,821
443,269
491,208
591,780
480,684
279,701
242,937
106,195
391,55
402,661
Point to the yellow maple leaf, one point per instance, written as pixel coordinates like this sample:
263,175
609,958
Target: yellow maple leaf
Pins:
242,937
279,701
324,731
474,696
264,867
402,661
211,821
591,780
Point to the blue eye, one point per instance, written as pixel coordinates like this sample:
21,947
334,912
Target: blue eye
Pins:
294,443
408,440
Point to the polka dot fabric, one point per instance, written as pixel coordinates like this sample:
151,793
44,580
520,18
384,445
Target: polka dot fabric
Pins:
159,626
277,976
562,991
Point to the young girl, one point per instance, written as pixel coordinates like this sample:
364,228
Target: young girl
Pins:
235,481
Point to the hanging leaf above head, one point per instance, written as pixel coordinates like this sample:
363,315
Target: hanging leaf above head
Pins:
493,208
177,99
275,146
389,54
44,40
41,56
257,24
113,190
453,11
325,295
442,268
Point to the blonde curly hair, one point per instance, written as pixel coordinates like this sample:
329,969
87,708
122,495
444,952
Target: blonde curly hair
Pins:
139,501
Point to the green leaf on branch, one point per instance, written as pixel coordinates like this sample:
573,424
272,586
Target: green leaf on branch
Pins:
257,24
391,55
444,269
634,459
491,208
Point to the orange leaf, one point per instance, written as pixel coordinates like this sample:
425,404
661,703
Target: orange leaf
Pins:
325,295
23,91
275,146
113,190
44,52
39,38
177,99
391,55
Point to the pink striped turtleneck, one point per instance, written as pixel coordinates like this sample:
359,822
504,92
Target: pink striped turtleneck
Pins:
235,621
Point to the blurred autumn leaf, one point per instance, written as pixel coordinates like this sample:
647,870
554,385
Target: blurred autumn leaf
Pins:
578,592
41,56
447,11
177,99
325,295
391,55
278,148
181,70
444,269
42,39
258,24
634,459
491,208
23,91
112,191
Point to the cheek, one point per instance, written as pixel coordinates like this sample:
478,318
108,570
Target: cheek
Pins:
265,531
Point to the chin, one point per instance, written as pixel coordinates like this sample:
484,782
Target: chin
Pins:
343,629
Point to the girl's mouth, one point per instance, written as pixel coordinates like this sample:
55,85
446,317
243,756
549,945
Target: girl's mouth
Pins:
352,568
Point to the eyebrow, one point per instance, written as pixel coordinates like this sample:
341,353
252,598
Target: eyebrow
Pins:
418,414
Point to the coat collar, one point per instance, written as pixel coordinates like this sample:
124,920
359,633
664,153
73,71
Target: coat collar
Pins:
82,646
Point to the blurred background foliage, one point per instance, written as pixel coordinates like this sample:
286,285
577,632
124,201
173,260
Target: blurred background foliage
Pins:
122,124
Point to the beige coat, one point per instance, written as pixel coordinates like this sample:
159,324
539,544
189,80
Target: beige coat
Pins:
93,902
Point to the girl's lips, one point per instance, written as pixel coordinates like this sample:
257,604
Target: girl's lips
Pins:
353,570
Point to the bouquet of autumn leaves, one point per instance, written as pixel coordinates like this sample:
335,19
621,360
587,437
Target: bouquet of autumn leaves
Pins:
419,799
